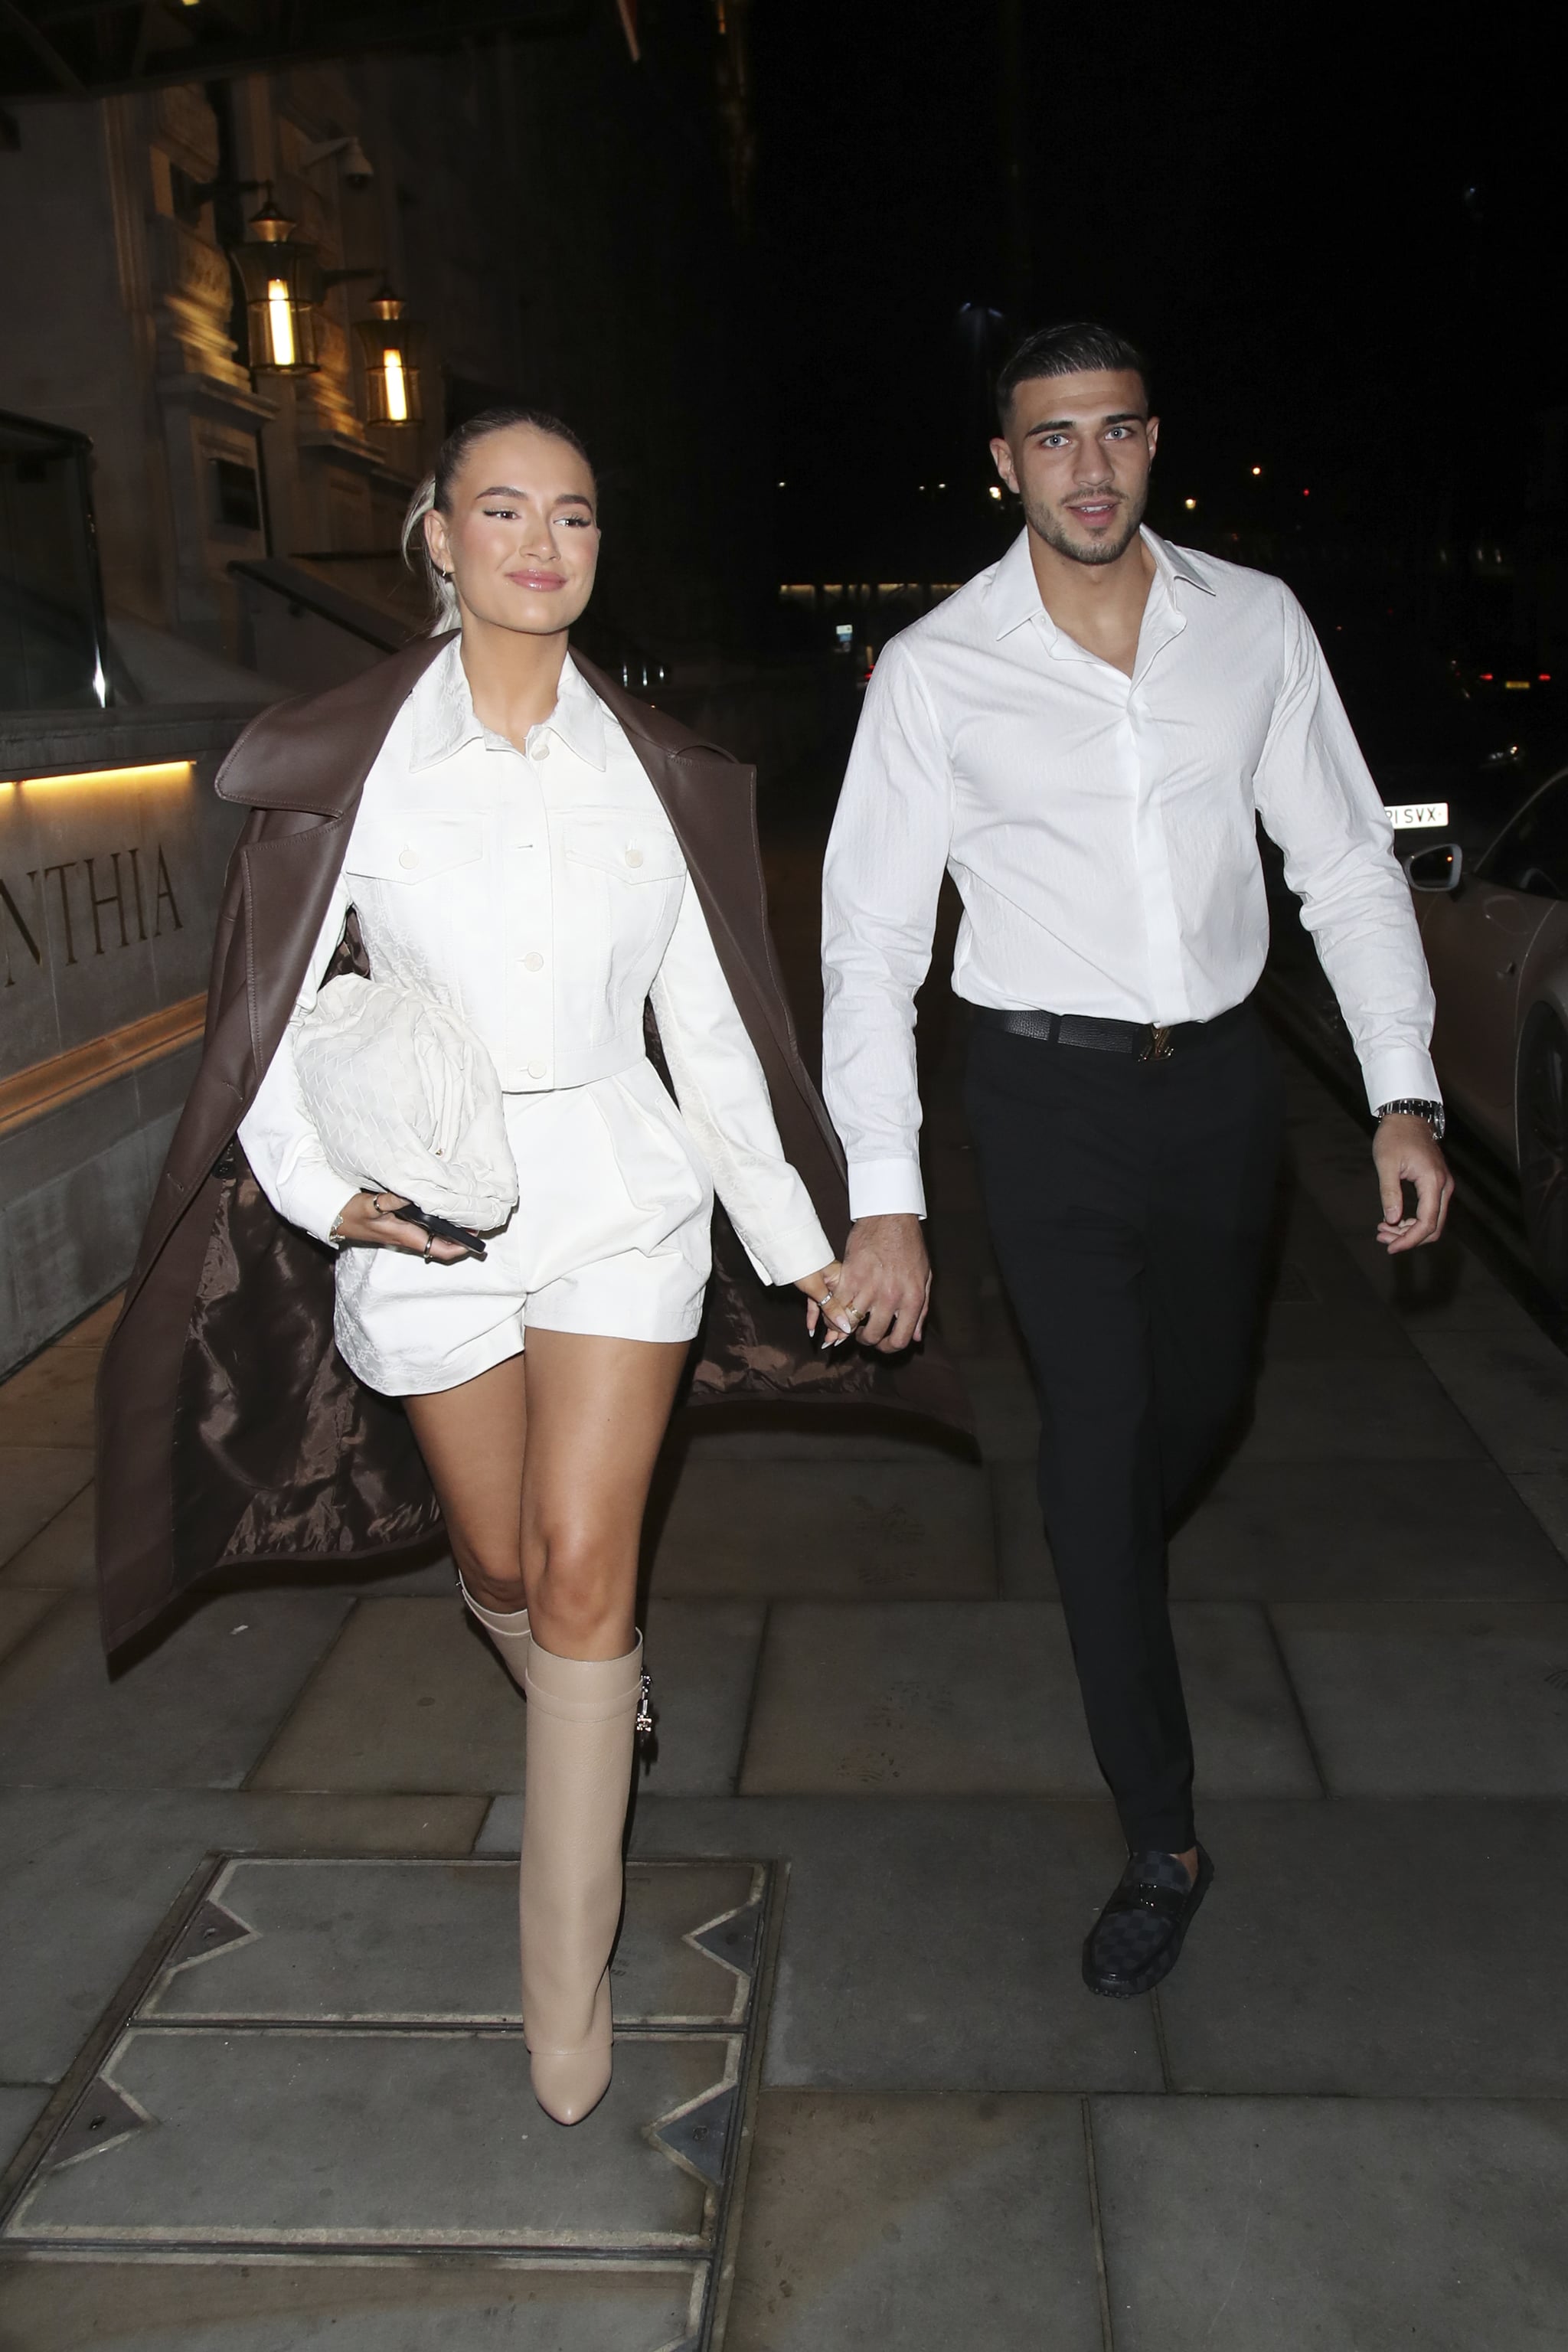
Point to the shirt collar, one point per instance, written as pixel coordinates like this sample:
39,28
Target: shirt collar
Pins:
442,720
1013,594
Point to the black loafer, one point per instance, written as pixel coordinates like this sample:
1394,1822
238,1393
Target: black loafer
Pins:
1137,1938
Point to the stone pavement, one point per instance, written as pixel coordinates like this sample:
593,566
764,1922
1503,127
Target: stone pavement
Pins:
863,2099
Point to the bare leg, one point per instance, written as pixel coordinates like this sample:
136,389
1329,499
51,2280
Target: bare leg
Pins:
543,1466
597,1411
473,1439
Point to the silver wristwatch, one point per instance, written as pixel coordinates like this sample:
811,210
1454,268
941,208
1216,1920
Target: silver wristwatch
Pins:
1432,1112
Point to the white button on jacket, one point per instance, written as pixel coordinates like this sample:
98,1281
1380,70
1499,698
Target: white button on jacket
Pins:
470,865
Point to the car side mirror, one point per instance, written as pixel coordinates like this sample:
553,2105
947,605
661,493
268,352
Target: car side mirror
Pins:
1438,868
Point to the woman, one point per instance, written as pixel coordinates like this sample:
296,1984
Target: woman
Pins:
489,823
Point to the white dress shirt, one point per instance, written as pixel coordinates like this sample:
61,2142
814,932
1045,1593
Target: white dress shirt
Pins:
543,896
1101,831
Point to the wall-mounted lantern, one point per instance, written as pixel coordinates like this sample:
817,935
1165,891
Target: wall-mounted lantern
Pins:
282,293
389,341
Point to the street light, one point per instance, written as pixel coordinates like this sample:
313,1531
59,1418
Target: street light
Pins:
283,290
390,375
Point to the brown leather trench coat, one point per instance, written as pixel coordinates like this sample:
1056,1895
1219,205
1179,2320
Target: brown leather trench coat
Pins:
230,1431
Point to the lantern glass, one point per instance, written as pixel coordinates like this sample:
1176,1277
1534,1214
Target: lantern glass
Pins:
391,373
283,290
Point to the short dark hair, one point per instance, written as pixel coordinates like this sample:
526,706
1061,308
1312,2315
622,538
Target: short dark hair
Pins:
1073,349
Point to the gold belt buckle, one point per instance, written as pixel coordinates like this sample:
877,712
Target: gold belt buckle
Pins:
1159,1048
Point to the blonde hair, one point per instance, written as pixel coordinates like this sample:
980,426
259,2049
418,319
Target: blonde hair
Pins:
435,491
417,554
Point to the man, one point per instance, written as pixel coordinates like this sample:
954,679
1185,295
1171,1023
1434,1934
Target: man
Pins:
1084,737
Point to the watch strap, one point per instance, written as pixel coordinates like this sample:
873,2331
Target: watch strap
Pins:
1432,1112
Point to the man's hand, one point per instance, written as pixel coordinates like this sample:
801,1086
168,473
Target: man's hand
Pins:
1405,1149
885,1285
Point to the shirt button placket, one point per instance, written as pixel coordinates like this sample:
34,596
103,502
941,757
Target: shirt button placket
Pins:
529,924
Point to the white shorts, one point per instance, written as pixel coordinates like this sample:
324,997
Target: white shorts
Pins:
611,1236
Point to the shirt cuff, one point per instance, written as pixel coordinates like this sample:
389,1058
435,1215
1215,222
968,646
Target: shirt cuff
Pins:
316,1195
799,1250
1400,1074
885,1188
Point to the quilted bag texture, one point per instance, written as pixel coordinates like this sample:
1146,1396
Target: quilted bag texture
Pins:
405,1099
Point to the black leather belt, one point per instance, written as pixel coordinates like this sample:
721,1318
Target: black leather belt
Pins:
1146,1040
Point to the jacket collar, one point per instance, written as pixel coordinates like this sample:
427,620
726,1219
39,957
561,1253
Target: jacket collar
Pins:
1012,596
314,755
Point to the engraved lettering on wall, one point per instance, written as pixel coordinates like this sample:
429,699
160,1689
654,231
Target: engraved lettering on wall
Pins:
85,908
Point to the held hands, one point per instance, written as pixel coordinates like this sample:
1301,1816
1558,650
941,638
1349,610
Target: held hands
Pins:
882,1292
371,1220
1405,1150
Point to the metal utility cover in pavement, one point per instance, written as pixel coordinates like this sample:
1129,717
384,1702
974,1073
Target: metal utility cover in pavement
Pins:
328,2059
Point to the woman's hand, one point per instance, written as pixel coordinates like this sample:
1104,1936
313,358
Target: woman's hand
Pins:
371,1220
818,1290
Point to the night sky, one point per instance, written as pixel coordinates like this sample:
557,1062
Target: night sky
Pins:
1279,216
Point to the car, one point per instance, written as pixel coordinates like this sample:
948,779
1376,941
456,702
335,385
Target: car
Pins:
1495,928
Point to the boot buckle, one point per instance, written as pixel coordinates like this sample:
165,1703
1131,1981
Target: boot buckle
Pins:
644,1725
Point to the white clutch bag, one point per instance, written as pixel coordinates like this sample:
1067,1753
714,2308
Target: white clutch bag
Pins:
405,1099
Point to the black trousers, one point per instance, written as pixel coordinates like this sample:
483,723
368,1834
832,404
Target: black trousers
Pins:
1130,1205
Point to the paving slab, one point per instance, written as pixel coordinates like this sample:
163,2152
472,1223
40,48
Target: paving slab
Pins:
62,1554
36,1482
289,2136
1347,1410
49,1401
1308,1330
915,1530
413,1696
924,2223
1271,2225
410,1695
702,1656
1433,1698
194,1712
938,1699
21,2105
1248,1736
934,1698
1339,1530
380,2304
1544,1494
930,1945
314,1941
20,1610
93,1330
1511,1387
1368,1948
86,1876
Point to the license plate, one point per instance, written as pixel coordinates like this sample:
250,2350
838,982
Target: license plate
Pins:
1410,817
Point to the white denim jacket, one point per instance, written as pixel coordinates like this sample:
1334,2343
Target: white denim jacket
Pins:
543,896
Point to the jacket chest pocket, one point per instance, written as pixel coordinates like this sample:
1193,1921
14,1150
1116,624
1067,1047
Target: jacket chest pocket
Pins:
414,850
633,852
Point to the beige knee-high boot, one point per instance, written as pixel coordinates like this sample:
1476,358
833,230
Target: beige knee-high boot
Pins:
507,1629
581,1727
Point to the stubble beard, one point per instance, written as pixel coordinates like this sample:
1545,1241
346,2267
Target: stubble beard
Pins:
1048,524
